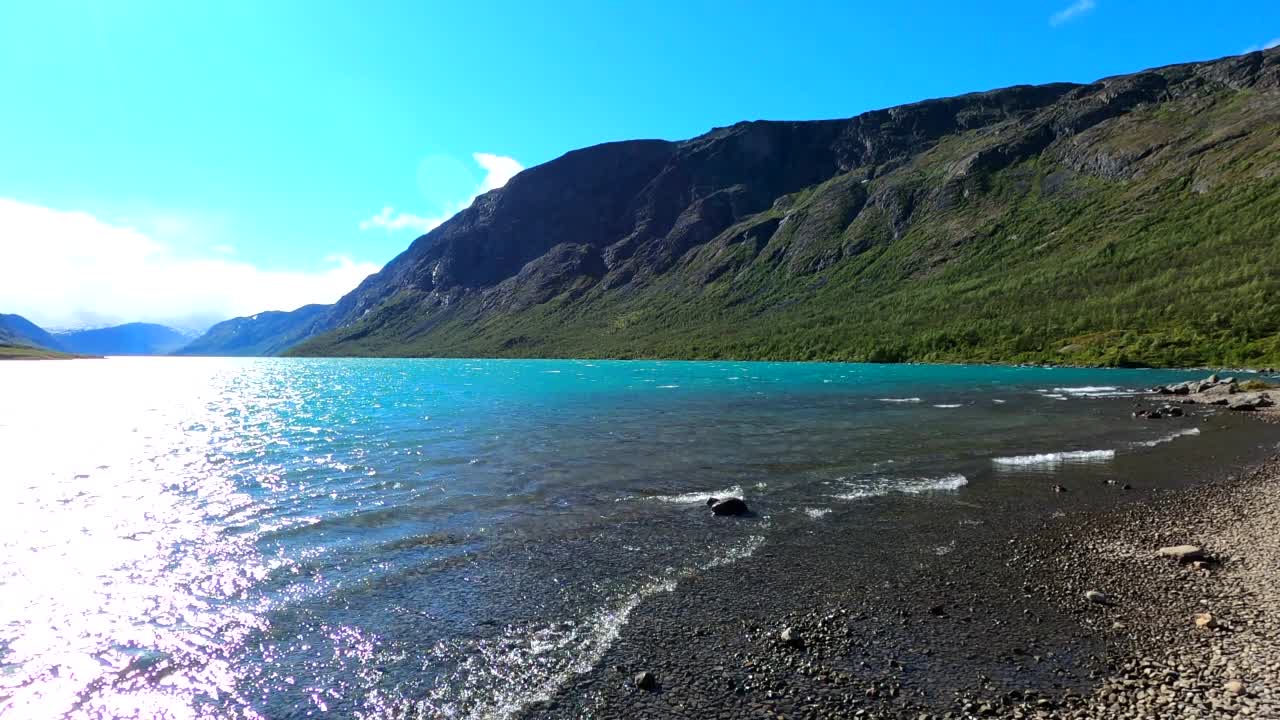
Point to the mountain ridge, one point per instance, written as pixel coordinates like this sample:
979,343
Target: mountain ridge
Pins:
136,338
856,239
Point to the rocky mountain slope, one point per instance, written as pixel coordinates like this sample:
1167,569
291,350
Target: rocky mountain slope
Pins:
1131,220
267,333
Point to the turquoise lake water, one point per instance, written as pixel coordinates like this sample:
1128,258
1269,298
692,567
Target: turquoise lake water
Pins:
454,538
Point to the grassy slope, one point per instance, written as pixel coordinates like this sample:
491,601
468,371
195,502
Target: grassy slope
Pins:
1176,265
25,352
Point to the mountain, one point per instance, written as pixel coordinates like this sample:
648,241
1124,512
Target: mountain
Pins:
17,330
1133,220
267,333
128,339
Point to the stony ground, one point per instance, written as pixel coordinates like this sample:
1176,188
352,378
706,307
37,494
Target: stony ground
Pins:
999,626
1185,640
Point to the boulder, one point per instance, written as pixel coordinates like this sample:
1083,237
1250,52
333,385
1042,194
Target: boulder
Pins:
1206,620
1244,404
1212,379
1234,687
645,680
791,638
727,506
1182,553
1095,596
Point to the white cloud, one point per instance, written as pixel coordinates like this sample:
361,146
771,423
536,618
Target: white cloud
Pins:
392,220
498,169
1072,11
1264,46
70,269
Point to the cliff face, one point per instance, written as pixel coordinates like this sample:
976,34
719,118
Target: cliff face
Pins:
995,225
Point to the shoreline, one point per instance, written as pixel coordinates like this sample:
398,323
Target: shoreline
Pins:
24,352
998,626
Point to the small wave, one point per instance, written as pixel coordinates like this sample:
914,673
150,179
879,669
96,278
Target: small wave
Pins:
1169,438
817,513
900,400
1054,396
1056,458
699,497
668,387
1094,391
529,664
915,486
947,405
997,401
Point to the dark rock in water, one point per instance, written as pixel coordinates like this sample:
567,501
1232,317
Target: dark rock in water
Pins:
1173,411
728,506
645,680
937,610
1059,489
1154,415
1161,390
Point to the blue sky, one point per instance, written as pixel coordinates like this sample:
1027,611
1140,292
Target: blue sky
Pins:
183,162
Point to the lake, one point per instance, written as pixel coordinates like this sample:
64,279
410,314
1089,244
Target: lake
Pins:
279,538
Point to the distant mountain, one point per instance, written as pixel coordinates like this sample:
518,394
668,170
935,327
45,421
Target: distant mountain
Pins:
1127,221
128,339
17,330
267,333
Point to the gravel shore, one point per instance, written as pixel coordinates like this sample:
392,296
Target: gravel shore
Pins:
999,624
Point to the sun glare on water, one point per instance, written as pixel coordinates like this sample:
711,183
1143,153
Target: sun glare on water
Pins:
117,593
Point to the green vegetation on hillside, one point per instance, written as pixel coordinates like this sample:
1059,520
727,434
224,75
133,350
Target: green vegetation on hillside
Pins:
26,352
1131,221
1174,265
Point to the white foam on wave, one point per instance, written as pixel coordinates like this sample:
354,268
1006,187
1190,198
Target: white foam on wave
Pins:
947,405
1169,438
531,662
817,513
701,496
997,401
668,387
1094,391
913,486
1055,458
900,400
